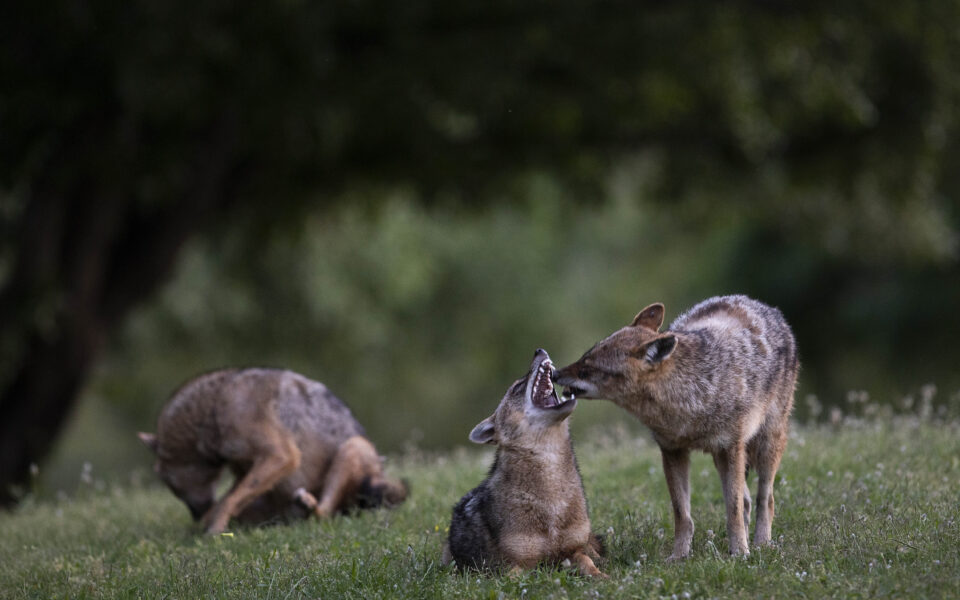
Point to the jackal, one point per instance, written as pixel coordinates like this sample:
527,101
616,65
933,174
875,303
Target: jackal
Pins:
721,379
284,437
531,507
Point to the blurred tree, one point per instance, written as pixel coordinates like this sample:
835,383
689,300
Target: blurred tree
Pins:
126,128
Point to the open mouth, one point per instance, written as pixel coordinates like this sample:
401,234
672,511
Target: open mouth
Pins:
544,395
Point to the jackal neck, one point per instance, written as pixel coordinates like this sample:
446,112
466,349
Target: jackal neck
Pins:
545,453
555,438
675,391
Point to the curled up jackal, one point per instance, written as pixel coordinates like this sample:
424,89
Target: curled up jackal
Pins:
293,447
531,507
721,379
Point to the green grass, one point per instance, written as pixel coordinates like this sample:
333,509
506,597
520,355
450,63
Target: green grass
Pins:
863,511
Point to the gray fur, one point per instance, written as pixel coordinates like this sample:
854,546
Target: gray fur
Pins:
721,379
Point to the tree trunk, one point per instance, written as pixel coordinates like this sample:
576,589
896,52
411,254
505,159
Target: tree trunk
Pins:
80,267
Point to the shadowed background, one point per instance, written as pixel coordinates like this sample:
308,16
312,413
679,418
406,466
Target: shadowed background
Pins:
405,201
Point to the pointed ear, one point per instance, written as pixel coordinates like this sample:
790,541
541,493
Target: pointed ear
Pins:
659,349
149,440
651,317
484,432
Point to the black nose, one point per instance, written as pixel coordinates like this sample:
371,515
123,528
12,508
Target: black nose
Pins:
540,351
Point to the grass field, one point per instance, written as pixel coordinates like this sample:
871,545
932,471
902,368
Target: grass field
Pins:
866,509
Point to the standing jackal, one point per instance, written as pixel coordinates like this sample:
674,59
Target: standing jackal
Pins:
284,437
721,380
531,506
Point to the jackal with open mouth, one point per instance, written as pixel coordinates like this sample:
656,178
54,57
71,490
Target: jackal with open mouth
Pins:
531,507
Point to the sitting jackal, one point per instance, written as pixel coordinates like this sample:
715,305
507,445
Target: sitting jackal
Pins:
721,379
531,507
285,438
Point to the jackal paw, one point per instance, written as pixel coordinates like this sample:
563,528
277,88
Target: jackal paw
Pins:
515,572
761,541
214,522
595,572
305,499
677,557
215,528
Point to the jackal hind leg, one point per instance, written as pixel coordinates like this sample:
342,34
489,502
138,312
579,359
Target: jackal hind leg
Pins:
746,499
731,465
767,459
586,565
270,467
676,468
355,459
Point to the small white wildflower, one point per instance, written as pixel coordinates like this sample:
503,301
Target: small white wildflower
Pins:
710,534
836,416
86,473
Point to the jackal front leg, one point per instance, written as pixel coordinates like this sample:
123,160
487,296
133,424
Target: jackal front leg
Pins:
730,464
676,468
268,470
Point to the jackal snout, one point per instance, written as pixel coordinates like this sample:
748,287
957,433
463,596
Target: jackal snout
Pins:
622,360
382,491
531,404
